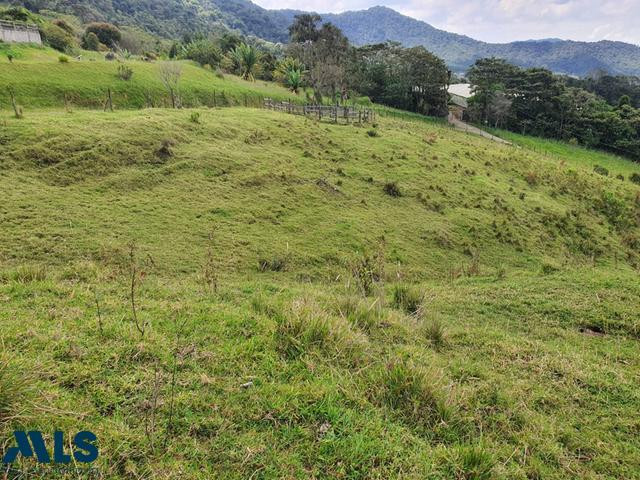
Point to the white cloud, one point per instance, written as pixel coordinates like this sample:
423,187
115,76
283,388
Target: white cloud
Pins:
505,20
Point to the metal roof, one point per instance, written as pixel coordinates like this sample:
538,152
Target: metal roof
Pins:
461,90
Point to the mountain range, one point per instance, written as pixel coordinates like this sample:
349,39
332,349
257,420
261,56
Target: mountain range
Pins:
171,18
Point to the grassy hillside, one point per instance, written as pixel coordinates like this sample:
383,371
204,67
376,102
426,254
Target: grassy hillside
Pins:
497,336
41,80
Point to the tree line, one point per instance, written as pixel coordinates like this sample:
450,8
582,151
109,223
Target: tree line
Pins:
534,101
320,57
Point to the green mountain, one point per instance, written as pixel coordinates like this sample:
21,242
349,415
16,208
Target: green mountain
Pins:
171,18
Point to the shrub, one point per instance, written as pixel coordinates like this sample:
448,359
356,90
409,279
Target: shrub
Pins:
601,171
110,56
107,33
392,189
407,299
64,26
90,41
124,72
57,38
635,178
367,271
194,117
549,268
373,133
63,59
615,210
204,52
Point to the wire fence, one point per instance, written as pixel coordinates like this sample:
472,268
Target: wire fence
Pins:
333,113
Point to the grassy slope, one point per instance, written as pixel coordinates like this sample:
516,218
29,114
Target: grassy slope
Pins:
537,379
41,81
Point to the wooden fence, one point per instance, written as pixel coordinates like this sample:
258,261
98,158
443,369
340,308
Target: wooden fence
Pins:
334,113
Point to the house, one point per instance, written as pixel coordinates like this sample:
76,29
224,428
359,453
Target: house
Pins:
19,32
459,95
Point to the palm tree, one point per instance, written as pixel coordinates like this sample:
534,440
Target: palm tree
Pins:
247,58
291,72
293,80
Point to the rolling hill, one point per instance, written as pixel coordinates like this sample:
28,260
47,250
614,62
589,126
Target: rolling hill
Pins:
498,338
173,17
240,293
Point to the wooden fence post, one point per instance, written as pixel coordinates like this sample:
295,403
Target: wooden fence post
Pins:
109,101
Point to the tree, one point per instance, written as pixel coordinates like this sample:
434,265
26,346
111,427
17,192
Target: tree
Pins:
488,76
326,57
410,79
291,72
107,33
304,28
170,73
246,57
229,41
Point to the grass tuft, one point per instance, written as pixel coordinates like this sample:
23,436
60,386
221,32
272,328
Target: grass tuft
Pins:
408,299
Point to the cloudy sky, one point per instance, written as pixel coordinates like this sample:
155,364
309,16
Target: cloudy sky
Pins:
505,20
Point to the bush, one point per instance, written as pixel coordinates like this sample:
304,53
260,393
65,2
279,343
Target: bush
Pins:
373,133
124,72
110,56
107,33
635,178
368,271
90,41
63,59
204,52
615,210
194,117
64,26
57,38
392,189
407,299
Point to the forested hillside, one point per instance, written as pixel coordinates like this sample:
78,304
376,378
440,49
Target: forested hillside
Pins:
172,18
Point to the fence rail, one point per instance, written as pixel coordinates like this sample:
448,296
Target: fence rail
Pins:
18,25
334,113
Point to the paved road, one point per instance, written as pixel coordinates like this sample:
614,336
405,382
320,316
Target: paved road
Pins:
465,127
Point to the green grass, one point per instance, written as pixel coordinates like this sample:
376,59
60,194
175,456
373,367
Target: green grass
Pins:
522,362
41,81
574,155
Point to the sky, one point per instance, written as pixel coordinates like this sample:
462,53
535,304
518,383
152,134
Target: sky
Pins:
504,20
